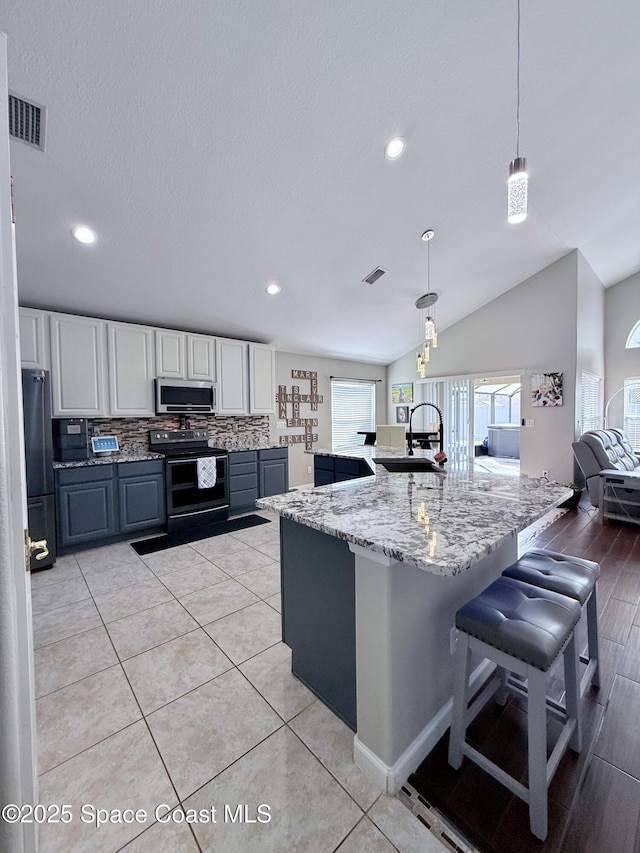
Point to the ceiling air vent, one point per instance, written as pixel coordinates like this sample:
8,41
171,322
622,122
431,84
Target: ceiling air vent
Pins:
26,121
374,275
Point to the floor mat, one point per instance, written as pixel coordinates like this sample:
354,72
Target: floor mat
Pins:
193,534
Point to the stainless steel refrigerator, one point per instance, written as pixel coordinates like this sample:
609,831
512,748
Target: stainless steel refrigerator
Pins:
38,442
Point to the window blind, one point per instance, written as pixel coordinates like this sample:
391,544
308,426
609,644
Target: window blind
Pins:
353,408
632,411
591,402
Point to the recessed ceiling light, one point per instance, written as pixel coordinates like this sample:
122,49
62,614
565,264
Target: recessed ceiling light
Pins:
394,148
83,234
272,288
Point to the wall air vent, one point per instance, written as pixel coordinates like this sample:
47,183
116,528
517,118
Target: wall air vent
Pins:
374,275
26,121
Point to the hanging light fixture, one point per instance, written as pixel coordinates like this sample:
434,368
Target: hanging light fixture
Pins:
517,183
426,305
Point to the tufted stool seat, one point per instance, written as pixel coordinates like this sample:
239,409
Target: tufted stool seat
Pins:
521,628
571,576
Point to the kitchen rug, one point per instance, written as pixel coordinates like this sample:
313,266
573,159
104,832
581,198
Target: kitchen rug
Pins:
193,534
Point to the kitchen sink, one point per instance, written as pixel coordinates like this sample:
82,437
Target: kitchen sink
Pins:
408,465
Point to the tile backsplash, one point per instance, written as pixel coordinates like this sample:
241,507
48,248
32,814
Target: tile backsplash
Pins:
133,433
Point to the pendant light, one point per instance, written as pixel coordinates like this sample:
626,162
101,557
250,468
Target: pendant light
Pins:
426,305
517,183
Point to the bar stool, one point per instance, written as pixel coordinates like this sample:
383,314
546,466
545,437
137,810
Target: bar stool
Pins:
570,576
522,629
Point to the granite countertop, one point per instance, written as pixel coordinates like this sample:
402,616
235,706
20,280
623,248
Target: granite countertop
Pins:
140,456
246,444
440,523
369,452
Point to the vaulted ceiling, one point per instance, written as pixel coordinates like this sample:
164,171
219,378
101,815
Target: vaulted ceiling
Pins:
217,145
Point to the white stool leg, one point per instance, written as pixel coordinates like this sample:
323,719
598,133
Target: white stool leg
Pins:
460,700
537,743
572,691
592,633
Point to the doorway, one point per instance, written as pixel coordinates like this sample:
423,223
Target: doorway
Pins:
481,420
496,424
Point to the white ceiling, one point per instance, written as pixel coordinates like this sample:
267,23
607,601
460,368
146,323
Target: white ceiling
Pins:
215,145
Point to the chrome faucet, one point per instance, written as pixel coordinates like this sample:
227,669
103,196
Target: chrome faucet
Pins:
410,433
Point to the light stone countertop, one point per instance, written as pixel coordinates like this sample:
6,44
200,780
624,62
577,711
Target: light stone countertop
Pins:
441,523
113,458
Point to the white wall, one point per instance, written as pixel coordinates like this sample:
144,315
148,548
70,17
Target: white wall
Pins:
299,461
533,328
622,312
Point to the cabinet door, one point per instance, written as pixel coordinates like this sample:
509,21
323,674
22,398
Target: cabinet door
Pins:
85,512
262,379
274,477
34,338
171,354
231,359
201,358
78,365
142,502
131,370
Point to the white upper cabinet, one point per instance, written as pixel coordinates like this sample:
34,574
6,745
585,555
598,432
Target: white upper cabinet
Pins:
34,338
78,366
233,396
171,348
180,355
201,357
262,379
131,370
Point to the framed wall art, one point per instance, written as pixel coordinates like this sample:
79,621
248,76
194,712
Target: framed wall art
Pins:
546,389
402,414
402,393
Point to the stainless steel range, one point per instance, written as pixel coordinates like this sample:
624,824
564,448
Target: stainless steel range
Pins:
191,499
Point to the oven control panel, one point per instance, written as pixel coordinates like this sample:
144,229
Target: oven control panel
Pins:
177,436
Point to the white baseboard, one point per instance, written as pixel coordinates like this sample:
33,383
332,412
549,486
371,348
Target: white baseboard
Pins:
391,779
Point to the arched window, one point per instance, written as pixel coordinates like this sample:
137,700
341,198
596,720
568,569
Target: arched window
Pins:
634,337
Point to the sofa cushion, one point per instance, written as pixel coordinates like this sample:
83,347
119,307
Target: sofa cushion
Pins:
611,449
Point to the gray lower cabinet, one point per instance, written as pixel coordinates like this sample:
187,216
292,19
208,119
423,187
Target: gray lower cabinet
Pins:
319,615
243,480
273,471
141,495
334,469
255,474
98,504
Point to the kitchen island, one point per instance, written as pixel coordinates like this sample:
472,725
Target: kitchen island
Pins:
373,571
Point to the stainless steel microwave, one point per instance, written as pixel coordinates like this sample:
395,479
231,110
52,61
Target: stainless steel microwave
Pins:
184,396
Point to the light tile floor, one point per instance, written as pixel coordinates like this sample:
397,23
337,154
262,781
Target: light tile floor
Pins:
163,681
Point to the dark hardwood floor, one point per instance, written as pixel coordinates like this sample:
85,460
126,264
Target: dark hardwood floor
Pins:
594,798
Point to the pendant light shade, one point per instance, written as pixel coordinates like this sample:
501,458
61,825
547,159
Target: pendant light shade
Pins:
517,187
518,182
426,305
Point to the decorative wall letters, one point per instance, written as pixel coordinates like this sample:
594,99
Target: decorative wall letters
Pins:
294,399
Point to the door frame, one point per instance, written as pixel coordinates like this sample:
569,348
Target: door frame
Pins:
18,773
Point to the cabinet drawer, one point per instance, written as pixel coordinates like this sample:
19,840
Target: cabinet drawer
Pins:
244,481
86,474
243,468
274,453
141,469
238,456
247,497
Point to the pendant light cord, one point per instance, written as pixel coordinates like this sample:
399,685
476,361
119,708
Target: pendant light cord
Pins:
518,89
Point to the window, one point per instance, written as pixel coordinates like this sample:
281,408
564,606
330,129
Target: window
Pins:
353,409
632,411
591,402
634,337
